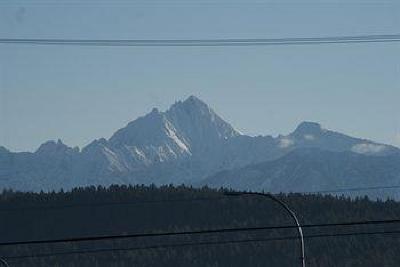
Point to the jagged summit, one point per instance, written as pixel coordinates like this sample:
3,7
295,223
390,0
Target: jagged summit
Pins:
191,104
184,144
308,127
193,101
53,147
188,128
199,121
155,111
191,120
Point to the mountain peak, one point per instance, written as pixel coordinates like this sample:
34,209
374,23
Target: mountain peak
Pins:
194,99
53,147
192,103
155,111
308,127
197,121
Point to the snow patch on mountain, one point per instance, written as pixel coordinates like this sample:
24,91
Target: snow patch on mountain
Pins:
286,142
185,144
368,148
309,137
171,133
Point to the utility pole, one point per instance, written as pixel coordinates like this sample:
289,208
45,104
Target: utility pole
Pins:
286,207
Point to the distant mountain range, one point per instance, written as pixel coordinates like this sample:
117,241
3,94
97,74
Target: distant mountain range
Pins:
189,143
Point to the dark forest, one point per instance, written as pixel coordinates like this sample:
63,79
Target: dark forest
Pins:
122,210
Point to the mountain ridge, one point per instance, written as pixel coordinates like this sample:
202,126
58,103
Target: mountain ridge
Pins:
312,170
187,143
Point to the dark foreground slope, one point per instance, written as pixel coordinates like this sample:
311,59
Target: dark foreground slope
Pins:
122,210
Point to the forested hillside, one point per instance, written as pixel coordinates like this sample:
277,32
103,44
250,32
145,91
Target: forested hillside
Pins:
121,210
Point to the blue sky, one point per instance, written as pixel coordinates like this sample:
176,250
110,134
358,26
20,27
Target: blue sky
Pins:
82,93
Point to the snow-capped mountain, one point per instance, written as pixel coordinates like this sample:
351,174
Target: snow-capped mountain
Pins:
187,129
311,134
188,143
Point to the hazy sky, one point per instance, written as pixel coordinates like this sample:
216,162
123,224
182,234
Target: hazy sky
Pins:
82,93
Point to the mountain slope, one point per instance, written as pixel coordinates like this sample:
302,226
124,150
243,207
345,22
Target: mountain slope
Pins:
311,134
309,170
180,145
185,144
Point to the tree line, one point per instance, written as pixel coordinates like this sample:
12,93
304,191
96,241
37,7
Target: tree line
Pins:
118,210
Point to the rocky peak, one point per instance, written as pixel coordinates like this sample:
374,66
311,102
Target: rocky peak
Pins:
53,147
308,128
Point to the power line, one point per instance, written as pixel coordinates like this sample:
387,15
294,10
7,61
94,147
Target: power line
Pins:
195,3
198,232
387,38
206,243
